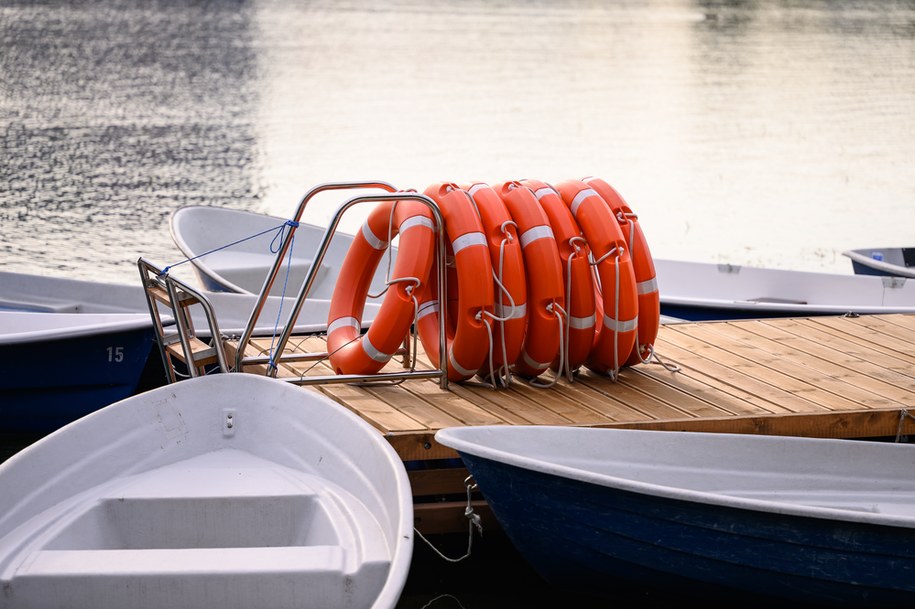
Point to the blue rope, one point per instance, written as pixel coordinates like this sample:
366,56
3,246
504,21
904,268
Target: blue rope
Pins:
274,247
279,313
281,230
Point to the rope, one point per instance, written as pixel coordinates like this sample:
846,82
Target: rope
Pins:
274,247
473,520
388,254
281,229
903,415
560,314
653,355
614,372
577,250
279,313
492,373
616,316
505,375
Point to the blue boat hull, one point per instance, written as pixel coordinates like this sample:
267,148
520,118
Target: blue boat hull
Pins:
49,383
590,538
697,313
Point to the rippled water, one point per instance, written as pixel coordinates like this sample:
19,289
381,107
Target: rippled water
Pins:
772,133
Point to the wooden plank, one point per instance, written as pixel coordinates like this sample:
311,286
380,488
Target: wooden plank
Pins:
460,410
801,375
864,382
508,407
726,380
438,481
860,334
450,517
604,404
755,367
377,412
845,424
705,389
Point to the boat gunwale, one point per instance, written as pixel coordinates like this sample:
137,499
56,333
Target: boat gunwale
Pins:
452,437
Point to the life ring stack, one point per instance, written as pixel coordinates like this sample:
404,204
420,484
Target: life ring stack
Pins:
537,277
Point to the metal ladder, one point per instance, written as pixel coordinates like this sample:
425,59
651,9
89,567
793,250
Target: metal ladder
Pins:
170,303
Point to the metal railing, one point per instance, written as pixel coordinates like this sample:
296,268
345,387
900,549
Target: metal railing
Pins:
271,362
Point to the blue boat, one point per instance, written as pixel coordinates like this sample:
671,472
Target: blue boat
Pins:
58,367
724,516
70,346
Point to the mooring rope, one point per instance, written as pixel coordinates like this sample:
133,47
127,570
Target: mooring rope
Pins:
473,521
903,415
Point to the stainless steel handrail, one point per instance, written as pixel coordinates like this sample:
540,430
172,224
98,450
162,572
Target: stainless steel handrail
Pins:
284,248
280,345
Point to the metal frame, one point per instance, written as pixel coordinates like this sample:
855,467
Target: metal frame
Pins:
391,194
179,297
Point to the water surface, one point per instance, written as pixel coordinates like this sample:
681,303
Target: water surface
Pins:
769,133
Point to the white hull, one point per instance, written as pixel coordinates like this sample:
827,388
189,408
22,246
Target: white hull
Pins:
688,290
230,491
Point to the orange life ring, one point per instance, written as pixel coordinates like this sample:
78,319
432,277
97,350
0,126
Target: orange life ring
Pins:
350,351
543,272
643,266
510,308
617,334
469,298
578,281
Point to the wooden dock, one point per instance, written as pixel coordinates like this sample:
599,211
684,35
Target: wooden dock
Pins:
838,377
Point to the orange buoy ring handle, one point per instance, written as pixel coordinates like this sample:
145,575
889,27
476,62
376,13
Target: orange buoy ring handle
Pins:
510,286
543,272
352,352
469,297
643,265
577,273
617,334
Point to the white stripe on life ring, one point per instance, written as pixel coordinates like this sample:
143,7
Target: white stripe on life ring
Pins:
427,308
620,326
581,323
648,286
373,240
477,187
468,240
455,365
538,232
344,322
542,192
414,221
517,312
373,352
579,198
533,364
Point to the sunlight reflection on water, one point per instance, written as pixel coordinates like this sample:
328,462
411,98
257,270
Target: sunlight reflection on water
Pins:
774,134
